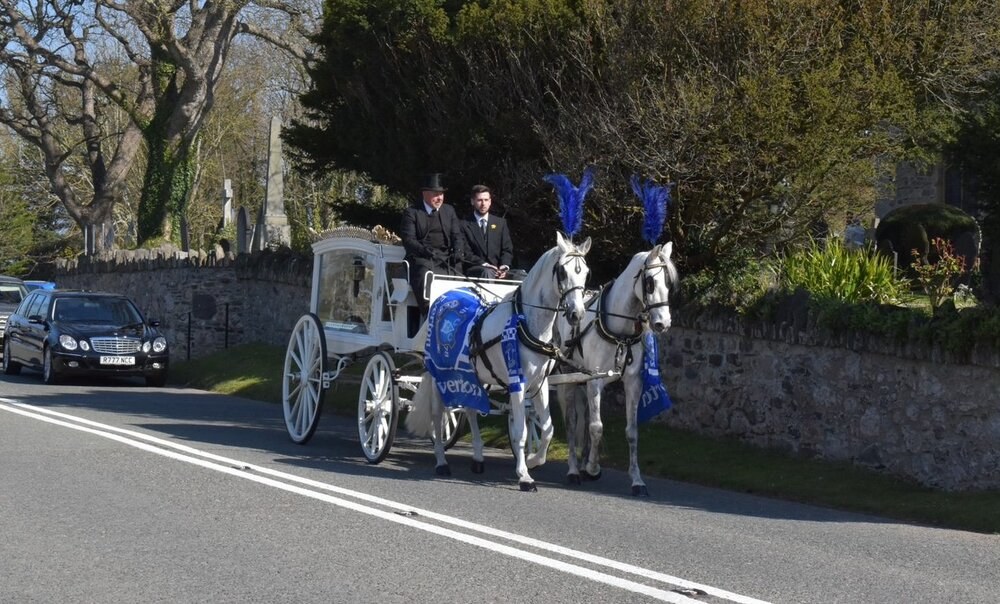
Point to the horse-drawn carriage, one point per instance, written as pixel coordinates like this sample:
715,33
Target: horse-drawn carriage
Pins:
362,309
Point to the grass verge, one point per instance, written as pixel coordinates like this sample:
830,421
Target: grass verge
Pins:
254,371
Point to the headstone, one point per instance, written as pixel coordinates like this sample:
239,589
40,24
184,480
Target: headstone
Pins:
242,232
185,235
276,230
227,202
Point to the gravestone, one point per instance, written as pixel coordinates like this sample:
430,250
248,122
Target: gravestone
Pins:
227,202
242,232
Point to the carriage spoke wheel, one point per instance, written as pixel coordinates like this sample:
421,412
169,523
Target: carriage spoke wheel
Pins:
534,426
302,380
453,427
378,408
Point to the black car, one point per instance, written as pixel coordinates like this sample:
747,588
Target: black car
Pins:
12,292
69,332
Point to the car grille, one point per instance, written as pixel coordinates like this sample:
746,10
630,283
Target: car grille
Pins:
3,323
115,345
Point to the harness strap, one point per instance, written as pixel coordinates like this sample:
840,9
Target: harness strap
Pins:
478,348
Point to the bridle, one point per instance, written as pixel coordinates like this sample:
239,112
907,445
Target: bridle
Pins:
649,286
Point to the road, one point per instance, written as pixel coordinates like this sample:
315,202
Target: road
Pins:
113,492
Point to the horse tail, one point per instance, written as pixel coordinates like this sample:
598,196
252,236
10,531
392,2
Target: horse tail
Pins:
418,420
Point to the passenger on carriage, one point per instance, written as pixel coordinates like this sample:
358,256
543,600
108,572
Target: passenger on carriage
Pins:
432,235
488,248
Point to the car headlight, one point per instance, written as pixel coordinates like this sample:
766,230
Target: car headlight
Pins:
84,346
159,344
67,342
146,346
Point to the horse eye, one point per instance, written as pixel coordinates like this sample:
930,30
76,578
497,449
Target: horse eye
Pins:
650,285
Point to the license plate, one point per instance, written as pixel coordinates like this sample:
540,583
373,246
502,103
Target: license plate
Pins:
117,360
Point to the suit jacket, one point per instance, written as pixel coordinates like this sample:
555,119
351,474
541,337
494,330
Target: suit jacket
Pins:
494,248
413,232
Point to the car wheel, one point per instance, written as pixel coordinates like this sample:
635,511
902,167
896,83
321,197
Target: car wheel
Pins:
9,366
49,374
157,380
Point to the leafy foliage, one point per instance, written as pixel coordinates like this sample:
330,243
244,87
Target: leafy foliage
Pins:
766,115
835,272
938,277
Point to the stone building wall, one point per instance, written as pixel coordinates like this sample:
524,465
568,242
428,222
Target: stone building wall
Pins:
904,409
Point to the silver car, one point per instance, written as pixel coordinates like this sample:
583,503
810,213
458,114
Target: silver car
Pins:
12,291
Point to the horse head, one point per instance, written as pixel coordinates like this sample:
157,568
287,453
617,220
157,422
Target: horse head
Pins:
652,287
570,270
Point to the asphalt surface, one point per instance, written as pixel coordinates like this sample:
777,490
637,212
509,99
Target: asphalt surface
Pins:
113,492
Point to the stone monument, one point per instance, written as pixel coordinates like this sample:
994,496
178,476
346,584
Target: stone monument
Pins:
275,222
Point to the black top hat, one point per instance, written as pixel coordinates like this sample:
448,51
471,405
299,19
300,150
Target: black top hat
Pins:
432,182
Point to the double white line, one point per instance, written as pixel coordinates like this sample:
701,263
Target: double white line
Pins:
392,511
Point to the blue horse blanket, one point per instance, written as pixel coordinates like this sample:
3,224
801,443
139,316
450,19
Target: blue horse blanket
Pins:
446,354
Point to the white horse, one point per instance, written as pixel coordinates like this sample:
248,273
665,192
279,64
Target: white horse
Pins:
555,283
610,338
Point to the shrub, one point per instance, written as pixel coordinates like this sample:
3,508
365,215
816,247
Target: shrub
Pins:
914,227
834,272
938,278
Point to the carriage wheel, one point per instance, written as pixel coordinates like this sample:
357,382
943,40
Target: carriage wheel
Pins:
454,427
302,382
534,427
378,408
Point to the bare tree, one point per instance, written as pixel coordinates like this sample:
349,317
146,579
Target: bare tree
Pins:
68,64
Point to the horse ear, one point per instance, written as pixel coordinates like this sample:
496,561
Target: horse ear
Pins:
561,241
668,248
655,252
584,247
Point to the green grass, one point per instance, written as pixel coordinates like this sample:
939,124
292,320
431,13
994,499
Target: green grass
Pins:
254,372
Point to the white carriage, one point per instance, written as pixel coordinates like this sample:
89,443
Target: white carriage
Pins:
362,309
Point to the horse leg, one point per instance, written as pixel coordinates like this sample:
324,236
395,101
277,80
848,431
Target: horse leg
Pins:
571,417
437,416
478,462
518,435
595,426
633,390
542,412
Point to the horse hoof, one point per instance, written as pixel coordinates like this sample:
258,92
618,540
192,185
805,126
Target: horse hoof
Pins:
444,470
590,476
478,467
640,490
528,487
573,479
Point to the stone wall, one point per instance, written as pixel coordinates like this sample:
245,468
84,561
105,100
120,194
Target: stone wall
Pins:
204,301
904,409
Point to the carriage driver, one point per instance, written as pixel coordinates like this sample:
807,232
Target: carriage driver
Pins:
432,235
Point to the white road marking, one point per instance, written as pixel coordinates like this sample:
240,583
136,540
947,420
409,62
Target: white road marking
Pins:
242,469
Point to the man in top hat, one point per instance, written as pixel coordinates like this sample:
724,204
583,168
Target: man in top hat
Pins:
432,235
488,248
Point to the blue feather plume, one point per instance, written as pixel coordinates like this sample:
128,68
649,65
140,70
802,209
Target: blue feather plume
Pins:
655,199
571,199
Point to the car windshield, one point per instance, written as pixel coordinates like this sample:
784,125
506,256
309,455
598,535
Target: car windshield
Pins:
10,293
113,311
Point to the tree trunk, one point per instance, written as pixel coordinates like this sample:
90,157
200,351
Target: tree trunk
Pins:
165,190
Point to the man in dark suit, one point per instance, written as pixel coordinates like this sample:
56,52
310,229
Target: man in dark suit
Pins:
488,248
432,235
